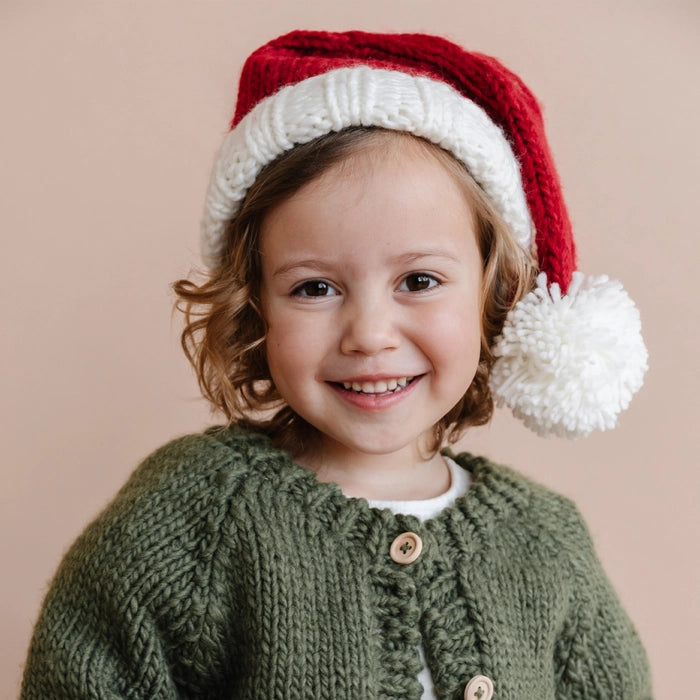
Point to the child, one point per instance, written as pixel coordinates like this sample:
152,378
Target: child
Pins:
389,251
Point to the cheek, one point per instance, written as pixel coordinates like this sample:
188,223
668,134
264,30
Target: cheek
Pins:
454,339
459,323
290,352
288,334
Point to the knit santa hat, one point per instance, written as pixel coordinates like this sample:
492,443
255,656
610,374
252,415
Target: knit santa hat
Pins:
570,355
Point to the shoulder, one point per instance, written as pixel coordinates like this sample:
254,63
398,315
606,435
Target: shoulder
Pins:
525,494
528,534
597,652
186,468
533,513
146,563
174,502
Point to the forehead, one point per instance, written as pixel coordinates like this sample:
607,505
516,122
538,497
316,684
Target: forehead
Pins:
390,162
380,145
392,193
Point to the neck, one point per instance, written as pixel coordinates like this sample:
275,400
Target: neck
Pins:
405,475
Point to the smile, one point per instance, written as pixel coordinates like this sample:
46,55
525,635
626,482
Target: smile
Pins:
382,386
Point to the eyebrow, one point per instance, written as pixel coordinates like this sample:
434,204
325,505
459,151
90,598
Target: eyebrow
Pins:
415,256
403,259
310,264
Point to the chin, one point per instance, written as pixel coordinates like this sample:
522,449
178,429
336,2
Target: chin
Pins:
379,445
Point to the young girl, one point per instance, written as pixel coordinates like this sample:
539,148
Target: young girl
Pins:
388,251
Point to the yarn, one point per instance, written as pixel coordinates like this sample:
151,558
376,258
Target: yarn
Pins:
569,364
362,96
224,570
306,84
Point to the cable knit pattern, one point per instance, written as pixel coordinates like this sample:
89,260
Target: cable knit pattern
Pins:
224,570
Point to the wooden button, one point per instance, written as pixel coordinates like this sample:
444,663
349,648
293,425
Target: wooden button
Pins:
479,688
406,548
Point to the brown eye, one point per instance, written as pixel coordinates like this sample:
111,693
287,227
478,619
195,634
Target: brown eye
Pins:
314,288
418,282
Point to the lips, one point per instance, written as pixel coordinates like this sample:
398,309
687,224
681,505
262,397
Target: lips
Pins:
381,386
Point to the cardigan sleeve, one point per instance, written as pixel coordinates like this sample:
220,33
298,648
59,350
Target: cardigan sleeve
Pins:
127,614
94,639
600,653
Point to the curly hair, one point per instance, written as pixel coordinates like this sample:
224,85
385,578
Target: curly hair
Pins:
224,333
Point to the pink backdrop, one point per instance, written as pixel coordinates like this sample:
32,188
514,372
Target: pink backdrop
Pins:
111,114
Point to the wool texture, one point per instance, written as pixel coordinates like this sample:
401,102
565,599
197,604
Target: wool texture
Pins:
306,84
570,364
224,570
260,132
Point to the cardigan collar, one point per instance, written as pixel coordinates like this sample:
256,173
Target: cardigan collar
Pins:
496,493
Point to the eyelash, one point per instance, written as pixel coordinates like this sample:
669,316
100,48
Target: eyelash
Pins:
303,289
432,281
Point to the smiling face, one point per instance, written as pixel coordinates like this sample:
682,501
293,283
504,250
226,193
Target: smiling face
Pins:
371,293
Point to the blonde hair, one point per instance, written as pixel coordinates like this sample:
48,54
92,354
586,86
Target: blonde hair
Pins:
224,333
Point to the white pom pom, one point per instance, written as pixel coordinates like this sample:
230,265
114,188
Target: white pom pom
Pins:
569,364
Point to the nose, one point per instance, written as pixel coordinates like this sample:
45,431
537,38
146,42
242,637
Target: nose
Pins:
369,327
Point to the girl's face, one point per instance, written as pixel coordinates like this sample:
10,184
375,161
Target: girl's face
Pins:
371,292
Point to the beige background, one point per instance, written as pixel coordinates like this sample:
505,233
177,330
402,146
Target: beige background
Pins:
111,113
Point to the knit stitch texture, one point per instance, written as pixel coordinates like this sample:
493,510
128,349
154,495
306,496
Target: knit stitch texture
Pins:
224,570
508,102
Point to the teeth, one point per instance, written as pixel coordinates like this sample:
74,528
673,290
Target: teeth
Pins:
380,387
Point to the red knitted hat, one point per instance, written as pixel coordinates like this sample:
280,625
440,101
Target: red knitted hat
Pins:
571,354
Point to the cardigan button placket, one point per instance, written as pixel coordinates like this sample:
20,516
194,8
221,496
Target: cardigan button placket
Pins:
406,548
479,688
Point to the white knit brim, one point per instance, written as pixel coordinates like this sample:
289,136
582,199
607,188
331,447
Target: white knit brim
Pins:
363,96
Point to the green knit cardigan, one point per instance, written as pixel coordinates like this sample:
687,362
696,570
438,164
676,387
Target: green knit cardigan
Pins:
224,570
